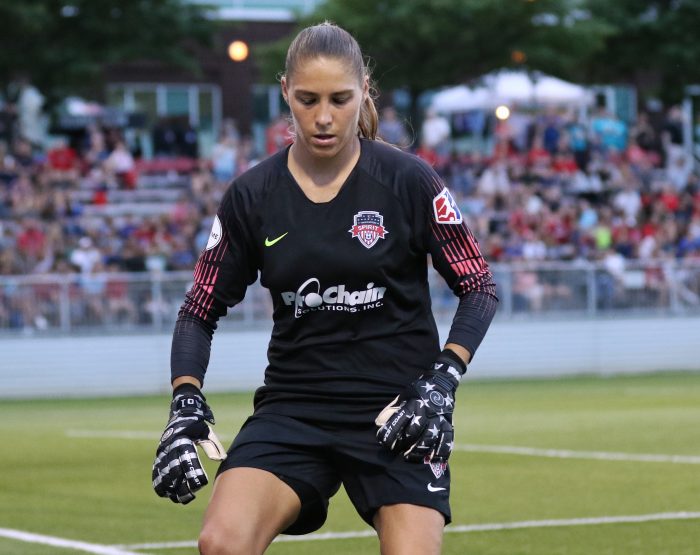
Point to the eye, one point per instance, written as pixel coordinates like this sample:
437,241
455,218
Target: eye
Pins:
344,99
306,100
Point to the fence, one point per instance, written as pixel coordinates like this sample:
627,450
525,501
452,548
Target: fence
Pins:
150,301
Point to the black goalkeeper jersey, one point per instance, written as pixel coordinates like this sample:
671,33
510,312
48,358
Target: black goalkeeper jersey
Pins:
348,279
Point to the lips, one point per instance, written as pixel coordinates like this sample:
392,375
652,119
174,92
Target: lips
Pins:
323,139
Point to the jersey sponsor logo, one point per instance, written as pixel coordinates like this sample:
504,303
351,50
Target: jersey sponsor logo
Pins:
438,468
368,228
215,235
269,242
445,208
433,488
310,298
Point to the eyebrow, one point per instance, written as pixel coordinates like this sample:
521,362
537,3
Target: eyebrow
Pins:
302,91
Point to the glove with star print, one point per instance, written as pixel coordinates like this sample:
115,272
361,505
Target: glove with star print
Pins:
419,421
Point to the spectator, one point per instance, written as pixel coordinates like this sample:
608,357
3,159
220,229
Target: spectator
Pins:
629,202
224,156
435,133
120,163
62,163
278,134
609,132
86,257
672,136
29,111
392,129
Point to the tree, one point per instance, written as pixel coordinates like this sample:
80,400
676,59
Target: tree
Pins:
64,45
424,44
654,45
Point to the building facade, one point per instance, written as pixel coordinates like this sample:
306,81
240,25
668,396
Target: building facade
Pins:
222,88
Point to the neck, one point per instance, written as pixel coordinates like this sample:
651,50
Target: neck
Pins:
324,171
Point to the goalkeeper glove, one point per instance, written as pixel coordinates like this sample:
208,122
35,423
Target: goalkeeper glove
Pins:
177,470
419,421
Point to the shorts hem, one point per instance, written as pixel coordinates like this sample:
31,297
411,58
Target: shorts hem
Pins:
368,515
310,499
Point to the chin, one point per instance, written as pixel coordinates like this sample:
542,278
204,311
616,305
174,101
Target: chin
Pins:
324,151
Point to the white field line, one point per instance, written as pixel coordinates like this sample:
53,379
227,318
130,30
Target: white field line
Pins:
504,449
458,529
569,454
61,542
124,434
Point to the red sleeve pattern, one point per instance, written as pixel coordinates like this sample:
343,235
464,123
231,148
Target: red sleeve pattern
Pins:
451,244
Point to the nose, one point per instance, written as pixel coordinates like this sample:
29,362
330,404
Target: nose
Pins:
323,116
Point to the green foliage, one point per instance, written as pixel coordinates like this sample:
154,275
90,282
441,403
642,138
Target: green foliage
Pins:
653,44
63,46
424,44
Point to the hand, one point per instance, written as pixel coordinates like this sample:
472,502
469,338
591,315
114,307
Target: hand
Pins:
419,421
177,471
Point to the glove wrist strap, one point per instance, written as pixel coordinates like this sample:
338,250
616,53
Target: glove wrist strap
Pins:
187,389
448,356
448,370
444,380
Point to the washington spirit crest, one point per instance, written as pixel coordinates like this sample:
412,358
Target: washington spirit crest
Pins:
368,228
438,468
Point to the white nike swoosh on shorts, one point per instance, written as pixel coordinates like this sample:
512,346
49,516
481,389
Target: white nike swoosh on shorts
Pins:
432,488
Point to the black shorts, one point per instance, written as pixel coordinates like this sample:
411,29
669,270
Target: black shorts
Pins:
315,460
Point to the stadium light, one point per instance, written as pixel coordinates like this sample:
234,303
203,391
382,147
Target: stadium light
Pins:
503,112
238,50
518,56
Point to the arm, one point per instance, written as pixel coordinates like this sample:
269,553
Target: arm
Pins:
419,421
221,277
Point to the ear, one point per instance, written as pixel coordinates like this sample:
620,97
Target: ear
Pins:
365,88
285,91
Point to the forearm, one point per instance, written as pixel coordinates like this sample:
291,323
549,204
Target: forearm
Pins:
471,321
190,351
186,379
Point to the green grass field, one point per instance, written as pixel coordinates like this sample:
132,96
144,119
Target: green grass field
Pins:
80,470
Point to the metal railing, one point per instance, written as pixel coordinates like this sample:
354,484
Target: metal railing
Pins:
72,303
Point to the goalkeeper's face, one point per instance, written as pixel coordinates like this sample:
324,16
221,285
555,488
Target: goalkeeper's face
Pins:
325,96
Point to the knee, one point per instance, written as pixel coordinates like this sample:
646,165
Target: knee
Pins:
212,543
218,541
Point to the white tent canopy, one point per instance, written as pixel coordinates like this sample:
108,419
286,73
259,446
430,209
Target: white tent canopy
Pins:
511,88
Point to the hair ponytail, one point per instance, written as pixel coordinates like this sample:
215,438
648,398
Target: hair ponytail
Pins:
369,118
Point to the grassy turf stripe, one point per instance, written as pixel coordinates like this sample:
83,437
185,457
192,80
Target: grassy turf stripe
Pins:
570,454
459,529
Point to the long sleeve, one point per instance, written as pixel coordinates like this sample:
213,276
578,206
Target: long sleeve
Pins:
456,256
225,269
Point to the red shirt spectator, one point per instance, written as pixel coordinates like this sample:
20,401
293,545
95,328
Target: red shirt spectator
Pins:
669,199
62,157
31,240
564,163
278,135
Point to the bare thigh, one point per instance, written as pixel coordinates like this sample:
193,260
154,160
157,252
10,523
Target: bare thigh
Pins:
248,509
406,529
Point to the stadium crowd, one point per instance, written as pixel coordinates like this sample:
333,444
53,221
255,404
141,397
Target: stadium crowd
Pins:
550,188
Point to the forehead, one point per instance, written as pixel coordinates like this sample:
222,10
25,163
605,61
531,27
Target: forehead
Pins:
324,73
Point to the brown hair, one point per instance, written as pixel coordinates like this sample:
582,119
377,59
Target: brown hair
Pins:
329,40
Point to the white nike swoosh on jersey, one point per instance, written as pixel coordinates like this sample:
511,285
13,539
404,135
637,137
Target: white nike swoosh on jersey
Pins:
432,488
